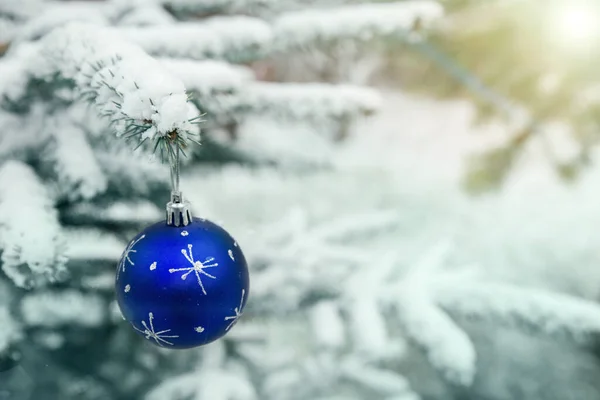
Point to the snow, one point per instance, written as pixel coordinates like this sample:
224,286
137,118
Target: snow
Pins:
214,6
327,324
552,313
93,244
134,212
56,14
77,171
447,346
11,329
378,380
359,22
29,228
310,100
221,38
48,309
122,80
145,15
208,76
350,262
228,380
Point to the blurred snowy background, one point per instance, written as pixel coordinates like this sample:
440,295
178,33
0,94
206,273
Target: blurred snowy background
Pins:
413,184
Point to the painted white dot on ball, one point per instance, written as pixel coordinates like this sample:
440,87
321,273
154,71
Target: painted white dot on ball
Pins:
153,266
230,254
184,233
199,329
127,288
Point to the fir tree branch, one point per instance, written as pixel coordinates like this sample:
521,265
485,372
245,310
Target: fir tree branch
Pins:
11,329
30,240
143,101
48,309
236,39
72,160
362,22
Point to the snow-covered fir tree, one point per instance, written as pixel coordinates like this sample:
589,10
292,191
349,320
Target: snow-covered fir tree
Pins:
352,295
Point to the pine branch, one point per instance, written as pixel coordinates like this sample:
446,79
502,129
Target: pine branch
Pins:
72,160
209,77
446,345
310,101
132,174
143,101
68,307
93,244
237,39
195,8
116,213
33,250
360,22
11,329
551,313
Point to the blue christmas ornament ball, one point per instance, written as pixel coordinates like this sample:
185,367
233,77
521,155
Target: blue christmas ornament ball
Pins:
182,287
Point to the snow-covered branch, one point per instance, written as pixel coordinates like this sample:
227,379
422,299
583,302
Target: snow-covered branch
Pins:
77,172
29,228
551,313
208,7
47,309
117,212
235,38
93,244
446,345
11,329
142,98
355,22
314,101
209,77
229,380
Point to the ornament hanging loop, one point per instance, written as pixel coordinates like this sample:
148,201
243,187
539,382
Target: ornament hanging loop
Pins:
178,210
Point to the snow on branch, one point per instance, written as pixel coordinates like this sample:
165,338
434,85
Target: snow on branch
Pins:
386,382
236,39
115,212
131,173
13,14
208,77
446,345
224,385
356,22
50,15
229,380
68,307
77,171
11,329
30,240
552,313
143,100
207,7
93,244
314,101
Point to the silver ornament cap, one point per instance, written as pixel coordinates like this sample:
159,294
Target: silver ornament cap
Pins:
178,210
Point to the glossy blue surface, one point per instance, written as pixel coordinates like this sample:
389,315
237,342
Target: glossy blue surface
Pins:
182,287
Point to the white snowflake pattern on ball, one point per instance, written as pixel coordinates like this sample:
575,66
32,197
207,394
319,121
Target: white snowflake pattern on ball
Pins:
127,288
238,313
230,254
184,233
150,333
153,266
126,257
199,329
197,267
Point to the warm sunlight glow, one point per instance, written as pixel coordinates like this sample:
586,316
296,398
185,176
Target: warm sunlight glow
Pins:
576,24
